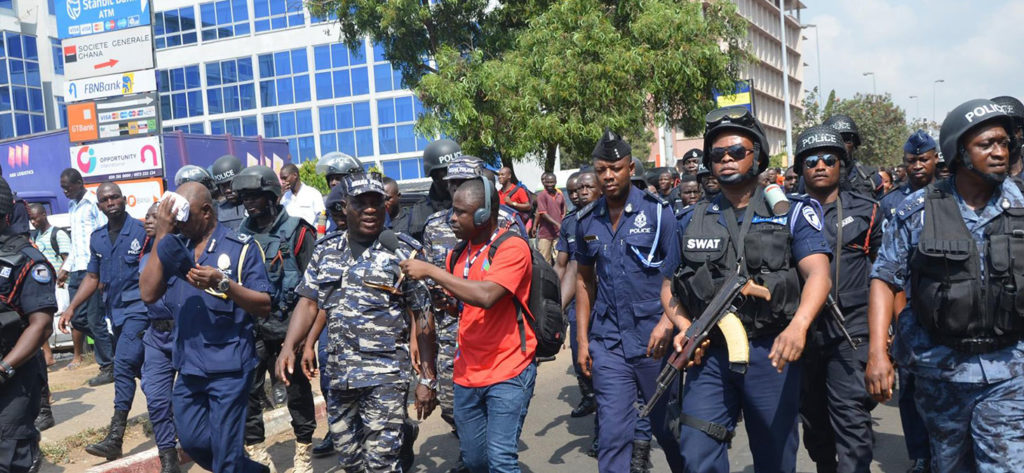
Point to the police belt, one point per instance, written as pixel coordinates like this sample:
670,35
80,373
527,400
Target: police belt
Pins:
162,325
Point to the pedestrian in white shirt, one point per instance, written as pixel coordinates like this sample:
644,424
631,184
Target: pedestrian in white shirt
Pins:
299,199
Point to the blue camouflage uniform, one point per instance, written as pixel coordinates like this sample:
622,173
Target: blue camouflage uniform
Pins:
972,404
713,392
367,349
888,203
628,265
116,263
214,350
158,371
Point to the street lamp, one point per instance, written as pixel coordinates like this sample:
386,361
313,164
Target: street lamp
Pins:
785,83
935,86
874,86
918,100
817,55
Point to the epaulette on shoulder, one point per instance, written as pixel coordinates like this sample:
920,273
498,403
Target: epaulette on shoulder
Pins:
685,210
330,236
409,240
912,204
655,197
586,210
239,237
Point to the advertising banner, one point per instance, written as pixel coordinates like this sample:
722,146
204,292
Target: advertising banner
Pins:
119,160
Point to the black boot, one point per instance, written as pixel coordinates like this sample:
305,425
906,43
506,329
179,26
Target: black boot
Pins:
169,460
641,461
110,447
586,407
106,376
920,465
37,461
410,431
326,448
45,419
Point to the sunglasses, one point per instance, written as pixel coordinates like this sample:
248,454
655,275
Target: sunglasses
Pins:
811,162
735,114
736,151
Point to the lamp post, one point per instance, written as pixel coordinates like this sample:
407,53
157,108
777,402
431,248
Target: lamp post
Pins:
918,100
785,83
874,85
935,86
817,56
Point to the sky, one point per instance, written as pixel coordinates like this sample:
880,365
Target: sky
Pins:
974,47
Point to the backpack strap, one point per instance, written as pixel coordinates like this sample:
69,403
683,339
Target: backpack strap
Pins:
520,308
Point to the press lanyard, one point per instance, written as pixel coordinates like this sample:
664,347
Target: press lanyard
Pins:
470,261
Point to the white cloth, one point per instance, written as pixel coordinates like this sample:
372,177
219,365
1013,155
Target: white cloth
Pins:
306,204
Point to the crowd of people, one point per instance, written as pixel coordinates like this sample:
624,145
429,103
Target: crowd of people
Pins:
865,273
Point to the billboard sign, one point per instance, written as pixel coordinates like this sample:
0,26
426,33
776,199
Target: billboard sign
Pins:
86,17
119,160
741,95
108,53
112,85
139,194
82,124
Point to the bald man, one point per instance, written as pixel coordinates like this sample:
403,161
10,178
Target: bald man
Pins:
214,282
115,251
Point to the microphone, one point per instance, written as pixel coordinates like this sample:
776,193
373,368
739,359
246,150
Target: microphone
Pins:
389,241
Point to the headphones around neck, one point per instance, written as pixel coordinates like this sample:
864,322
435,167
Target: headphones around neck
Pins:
483,214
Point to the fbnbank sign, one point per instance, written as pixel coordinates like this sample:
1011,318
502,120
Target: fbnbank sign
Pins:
113,85
85,17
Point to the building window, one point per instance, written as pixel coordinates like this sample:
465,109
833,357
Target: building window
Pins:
297,127
340,71
174,27
224,19
58,57
230,86
241,126
400,169
181,93
284,78
395,120
277,14
62,113
21,90
346,128
385,77
193,128
8,4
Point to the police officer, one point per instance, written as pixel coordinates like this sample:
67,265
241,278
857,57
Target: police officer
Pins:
690,162
193,173
953,249
287,244
436,158
157,370
776,250
335,166
231,211
26,321
628,231
835,406
708,183
920,155
354,277
857,178
116,248
1015,109
214,281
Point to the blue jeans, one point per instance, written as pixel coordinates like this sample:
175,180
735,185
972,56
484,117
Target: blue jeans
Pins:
489,420
89,319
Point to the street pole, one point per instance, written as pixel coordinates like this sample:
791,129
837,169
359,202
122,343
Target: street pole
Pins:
874,85
918,100
785,83
935,86
817,56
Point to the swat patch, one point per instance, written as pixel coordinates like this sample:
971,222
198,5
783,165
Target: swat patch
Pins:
703,244
41,273
812,217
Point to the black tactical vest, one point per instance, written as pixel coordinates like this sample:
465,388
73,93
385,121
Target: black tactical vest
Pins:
12,324
708,256
949,297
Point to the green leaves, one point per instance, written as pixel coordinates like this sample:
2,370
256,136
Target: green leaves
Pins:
882,125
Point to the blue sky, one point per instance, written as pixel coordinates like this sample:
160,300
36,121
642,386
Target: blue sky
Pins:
975,47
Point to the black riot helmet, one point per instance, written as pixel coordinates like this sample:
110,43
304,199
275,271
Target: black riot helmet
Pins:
844,125
439,154
965,117
225,168
257,178
193,173
337,162
736,118
818,137
1013,107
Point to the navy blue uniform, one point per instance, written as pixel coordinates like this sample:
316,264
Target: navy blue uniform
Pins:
214,354
116,263
157,371
713,392
628,265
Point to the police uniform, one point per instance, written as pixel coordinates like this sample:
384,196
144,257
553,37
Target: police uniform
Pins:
414,221
231,215
889,202
969,379
835,406
714,393
157,370
26,287
116,263
858,180
566,243
628,264
214,350
367,349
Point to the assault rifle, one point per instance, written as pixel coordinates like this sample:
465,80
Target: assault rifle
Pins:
721,312
837,314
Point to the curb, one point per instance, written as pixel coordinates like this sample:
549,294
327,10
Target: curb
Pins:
274,422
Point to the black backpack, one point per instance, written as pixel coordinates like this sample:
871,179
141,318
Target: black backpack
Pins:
544,307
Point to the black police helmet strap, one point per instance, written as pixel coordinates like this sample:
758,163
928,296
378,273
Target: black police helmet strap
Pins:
483,214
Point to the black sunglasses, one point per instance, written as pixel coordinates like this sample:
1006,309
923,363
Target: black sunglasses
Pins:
735,114
737,151
811,162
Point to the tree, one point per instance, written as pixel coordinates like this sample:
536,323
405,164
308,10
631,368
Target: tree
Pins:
881,124
525,78
309,176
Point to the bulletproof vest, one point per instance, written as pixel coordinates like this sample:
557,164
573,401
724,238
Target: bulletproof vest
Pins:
12,324
949,297
857,181
279,257
709,256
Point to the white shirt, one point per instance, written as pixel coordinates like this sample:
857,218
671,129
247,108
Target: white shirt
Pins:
306,204
85,218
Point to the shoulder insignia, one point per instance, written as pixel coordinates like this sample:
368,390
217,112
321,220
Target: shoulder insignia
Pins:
655,197
911,205
41,273
811,217
239,237
408,240
586,210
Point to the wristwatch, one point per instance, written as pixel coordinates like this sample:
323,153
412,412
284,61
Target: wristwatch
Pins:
6,370
429,383
224,283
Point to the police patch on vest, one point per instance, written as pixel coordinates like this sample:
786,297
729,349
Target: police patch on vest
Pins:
5,272
703,244
812,218
135,245
781,219
41,273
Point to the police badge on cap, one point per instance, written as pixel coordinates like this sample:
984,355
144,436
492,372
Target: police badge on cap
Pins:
918,143
611,147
